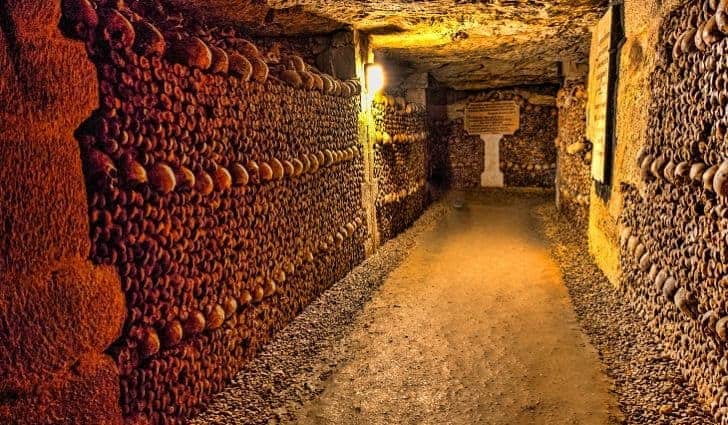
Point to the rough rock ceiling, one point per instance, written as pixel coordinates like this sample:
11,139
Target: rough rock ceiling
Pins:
466,44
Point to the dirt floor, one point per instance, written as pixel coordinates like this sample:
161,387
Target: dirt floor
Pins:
475,326
493,313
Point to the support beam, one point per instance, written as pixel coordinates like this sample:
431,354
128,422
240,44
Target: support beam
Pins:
492,175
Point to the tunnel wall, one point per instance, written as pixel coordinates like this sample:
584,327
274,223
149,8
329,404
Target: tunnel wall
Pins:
439,128
463,155
638,58
673,239
223,192
528,157
59,311
400,163
227,199
573,171
665,218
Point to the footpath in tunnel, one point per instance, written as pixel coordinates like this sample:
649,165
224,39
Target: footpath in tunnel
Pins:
493,313
475,326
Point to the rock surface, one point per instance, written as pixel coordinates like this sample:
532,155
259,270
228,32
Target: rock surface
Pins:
465,44
58,311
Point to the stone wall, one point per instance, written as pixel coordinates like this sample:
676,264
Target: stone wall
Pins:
463,155
59,311
673,220
207,180
528,157
400,163
638,58
573,177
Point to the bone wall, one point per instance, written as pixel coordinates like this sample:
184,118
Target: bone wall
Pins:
462,155
573,177
400,163
673,222
528,157
224,186
643,20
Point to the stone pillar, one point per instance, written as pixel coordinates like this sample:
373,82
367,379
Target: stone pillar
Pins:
492,175
59,312
361,55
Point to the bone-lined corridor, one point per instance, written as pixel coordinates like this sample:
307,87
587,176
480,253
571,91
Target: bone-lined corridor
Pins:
328,211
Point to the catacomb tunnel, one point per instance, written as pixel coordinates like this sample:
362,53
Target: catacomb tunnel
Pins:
363,212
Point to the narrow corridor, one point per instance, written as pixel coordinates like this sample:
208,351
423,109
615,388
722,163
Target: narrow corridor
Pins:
264,212
475,326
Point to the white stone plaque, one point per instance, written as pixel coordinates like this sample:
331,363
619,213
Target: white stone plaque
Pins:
497,117
596,117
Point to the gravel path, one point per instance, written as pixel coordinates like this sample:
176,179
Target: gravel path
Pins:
650,388
474,327
293,368
326,366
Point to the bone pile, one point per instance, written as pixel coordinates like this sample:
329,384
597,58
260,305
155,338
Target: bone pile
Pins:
400,163
528,157
438,169
574,153
463,155
224,183
674,224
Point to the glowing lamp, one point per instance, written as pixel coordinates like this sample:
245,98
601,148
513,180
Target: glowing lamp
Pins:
375,77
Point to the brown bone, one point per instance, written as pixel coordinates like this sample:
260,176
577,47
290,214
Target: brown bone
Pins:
220,63
720,180
195,323
222,179
216,317
81,18
292,78
116,30
162,178
721,16
240,175
260,70
191,52
149,41
172,333
240,66
149,344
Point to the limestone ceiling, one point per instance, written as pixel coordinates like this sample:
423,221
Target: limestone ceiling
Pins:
466,44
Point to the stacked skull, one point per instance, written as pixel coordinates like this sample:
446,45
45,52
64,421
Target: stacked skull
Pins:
400,163
674,226
573,178
440,130
465,156
528,157
224,185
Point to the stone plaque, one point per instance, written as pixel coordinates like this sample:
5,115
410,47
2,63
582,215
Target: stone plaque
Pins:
596,130
499,117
